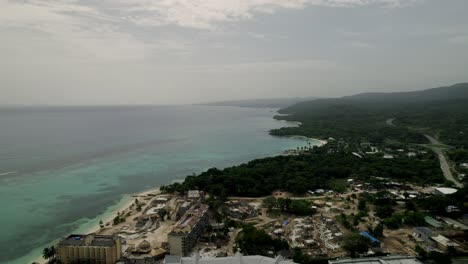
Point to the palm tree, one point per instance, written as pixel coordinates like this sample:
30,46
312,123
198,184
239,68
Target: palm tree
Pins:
46,253
49,253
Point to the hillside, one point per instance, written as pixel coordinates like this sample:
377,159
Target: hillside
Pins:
439,111
263,103
386,100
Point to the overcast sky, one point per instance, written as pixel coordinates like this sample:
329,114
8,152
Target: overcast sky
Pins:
184,51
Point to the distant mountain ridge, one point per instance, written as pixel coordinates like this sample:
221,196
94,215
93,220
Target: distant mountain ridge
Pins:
262,103
456,93
441,112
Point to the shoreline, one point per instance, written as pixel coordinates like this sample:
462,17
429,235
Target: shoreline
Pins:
106,217
322,141
90,224
127,200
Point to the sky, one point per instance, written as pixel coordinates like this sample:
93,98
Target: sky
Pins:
92,52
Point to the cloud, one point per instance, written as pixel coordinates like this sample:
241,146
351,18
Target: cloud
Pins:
201,14
461,39
276,66
106,29
205,14
360,44
79,31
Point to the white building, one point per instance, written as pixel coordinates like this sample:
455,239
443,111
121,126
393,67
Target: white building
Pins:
238,258
444,190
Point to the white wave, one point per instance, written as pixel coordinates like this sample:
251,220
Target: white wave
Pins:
7,173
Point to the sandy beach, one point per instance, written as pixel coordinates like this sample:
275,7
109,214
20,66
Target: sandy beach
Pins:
107,217
322,141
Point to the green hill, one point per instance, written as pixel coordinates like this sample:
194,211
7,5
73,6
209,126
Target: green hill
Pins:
262,103
442,112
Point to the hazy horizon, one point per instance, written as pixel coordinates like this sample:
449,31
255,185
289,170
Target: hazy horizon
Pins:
172,52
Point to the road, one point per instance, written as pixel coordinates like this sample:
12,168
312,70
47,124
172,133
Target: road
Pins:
444,165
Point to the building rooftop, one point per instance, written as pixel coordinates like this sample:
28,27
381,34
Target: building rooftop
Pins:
395,259
236,259
88,240
193,194
190,219
446,190
444,241
432,222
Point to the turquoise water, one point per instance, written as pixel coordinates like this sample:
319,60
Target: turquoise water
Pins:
61,169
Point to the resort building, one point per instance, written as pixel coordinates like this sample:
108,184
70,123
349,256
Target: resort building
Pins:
90,248
186,232
394,259
238,258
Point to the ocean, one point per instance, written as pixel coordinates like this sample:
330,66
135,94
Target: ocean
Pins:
63,168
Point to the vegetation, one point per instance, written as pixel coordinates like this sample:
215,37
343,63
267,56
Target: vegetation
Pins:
377,231
120,218
362,118
410,218
49,252
354,243
252,241
318,168
300,257
162,213
296,207
434,256
437,204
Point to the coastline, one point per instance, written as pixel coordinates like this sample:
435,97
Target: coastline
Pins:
92,226
126,201
322,141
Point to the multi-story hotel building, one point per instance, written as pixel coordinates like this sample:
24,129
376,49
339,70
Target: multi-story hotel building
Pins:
185,234
90,249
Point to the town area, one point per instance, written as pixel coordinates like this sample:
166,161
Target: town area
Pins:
158,226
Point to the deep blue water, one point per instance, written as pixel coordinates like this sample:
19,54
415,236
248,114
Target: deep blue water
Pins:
62,168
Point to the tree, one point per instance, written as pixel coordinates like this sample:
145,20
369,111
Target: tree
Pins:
362,205
451,251
355,243
409,205
421,252
384,211
269,202
253,241
378,230
298,255
439,258
162,213
49,253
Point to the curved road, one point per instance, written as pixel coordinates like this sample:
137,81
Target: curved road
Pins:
444,165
